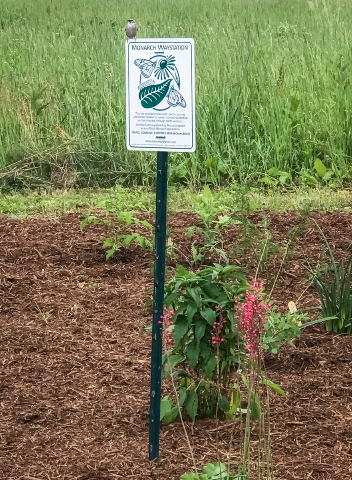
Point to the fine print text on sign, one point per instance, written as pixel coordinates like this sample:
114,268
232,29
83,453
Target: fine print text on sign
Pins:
160,95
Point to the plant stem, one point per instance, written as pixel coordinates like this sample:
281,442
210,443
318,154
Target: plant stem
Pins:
278,273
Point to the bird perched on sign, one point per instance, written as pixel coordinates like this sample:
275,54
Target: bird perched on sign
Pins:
131,29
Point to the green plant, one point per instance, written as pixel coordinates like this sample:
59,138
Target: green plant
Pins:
276,176
212,223
254,241
119,221
200,300
45,316
279,329
37,101
249,313
214,471
334,289
307,178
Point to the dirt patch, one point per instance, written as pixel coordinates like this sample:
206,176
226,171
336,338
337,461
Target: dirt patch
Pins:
74,372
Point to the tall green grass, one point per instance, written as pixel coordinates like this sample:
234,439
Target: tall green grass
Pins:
273,88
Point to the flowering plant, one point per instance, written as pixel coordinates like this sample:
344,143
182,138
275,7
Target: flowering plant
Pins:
205,340
251,317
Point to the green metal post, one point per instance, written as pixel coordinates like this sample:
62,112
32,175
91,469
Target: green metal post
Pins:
158,304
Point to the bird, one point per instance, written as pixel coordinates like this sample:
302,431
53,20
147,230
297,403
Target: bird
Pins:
131,29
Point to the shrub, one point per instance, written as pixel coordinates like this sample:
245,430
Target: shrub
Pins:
216,330
204,310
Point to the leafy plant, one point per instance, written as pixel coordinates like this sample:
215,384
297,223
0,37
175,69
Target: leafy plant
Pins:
116,223
276,176
215,170
212,223
200,300
307,178
334,289
37,100
214,471
279,329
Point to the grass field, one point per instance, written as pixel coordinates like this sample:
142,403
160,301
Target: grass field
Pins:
273,89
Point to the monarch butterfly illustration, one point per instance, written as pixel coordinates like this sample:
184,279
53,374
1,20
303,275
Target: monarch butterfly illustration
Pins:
174,98
146,67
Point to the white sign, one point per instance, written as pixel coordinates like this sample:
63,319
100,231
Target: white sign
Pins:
160,103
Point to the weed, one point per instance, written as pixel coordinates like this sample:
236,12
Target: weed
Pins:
334,289
212,223
45,316
117,223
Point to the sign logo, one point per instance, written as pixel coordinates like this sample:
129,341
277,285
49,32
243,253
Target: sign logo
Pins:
151,94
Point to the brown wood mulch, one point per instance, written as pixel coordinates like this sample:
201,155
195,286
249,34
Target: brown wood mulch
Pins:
74,368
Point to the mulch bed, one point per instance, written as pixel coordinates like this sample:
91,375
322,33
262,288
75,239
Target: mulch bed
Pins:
74,368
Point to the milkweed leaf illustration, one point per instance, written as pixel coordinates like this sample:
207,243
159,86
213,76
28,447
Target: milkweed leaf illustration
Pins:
152,95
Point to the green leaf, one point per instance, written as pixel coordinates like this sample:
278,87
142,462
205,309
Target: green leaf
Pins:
320,168
328,175
171,362
284,177
205,351
181,271
209,315
193,476
181,328
218,470
152,95
108,242
128,218
255,406
127,240
269,181
235,402
146,224
192,354
191,404
109,253
171,298
195,293
200,330
190,231
191,310
209,367
273,171
274,386
223,403
183,395
171,415
207,192
308,179
165,406
210,289
224,220
211,162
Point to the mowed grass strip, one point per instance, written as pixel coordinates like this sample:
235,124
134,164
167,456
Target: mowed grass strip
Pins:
58,202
